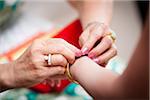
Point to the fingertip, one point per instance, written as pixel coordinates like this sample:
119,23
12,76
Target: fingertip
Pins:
59,83
52,83
84,50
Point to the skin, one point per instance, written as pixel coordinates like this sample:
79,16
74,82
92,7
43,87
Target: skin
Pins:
31,68
60,59
95,17
102,83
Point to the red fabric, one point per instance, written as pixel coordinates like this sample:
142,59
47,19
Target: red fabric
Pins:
71,34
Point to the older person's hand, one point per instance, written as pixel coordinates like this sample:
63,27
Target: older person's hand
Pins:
98,43
32,67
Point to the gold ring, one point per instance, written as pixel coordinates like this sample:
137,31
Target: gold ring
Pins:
49,59
112,35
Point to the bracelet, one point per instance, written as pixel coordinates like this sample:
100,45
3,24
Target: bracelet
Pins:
70,78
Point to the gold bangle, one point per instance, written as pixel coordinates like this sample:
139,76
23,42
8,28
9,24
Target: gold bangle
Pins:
70,78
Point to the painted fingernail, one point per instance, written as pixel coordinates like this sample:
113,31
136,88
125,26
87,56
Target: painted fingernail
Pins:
95,60
84,51
59,84
52,84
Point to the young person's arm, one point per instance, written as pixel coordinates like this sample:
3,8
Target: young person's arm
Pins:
97,80
93,11
103,83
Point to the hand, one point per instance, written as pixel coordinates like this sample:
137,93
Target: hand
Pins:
32,68
99,47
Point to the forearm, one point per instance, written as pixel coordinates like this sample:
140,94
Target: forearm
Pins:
98,81
99,10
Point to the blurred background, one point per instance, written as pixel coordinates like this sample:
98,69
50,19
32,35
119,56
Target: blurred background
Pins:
26,19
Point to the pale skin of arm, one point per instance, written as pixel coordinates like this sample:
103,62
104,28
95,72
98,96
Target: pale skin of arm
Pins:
93,10
103,83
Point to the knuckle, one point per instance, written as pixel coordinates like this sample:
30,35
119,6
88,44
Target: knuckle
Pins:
34,50
96,35
36,42
98,25
36,46
98,30
103,26
48,41
94,25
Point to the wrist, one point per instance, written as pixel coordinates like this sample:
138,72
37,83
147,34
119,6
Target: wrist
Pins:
6,76
75,68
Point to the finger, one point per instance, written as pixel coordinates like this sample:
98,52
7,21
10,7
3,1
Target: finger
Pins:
104,58
95,35
62,76
58,83
44,82
52,71
58,59
39,60
60,49
70,46
104,64
84,36
105,44
51,83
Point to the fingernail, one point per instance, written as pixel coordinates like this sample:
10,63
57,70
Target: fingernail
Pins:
95,60
91,55
58,85
52,84
84,51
